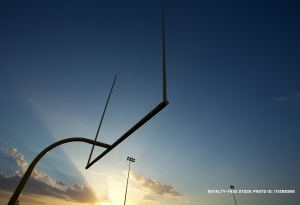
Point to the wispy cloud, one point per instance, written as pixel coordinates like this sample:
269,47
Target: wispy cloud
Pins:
9,151
149,198
60,183
83,194
18,159
154,187
42,184
99,173
288,98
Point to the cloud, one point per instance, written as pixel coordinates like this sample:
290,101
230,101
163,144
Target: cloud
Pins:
288,98
41,176
9,151
149,198
135,186
282,99
77,193
17,159
83,194
41,183
60,183
20,161
92,172
155,187
6,196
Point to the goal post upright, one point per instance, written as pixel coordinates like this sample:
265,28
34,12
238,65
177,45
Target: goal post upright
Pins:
152,113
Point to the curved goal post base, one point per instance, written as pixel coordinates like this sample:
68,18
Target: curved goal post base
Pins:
28,172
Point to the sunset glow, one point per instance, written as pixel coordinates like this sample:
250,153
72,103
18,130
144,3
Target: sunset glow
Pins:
104,203
232,82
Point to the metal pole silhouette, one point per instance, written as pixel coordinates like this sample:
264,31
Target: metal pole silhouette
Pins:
232,187
29,170
112,87
130,160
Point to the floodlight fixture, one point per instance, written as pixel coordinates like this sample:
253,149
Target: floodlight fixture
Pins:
152,113
130,159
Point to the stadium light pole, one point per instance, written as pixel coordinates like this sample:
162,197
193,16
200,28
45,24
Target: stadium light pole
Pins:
232,187
130,160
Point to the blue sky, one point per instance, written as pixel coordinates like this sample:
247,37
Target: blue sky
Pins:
233,87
